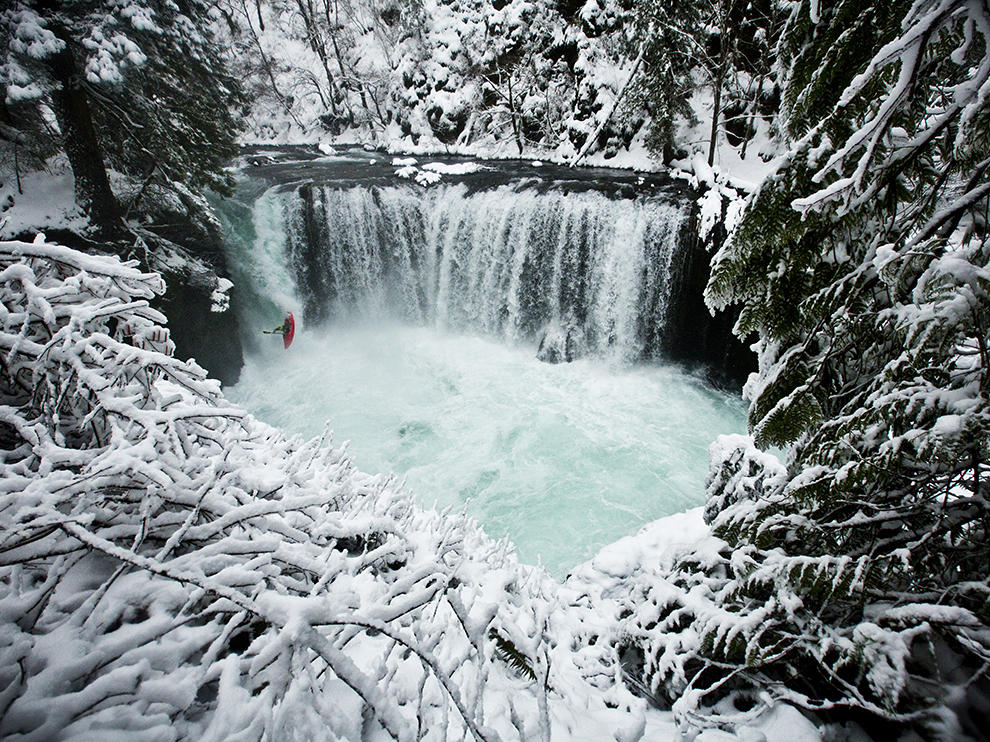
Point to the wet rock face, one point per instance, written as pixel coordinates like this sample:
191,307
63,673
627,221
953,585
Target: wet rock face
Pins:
212,338
189,254
562,343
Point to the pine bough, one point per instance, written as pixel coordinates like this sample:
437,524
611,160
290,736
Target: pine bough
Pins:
854,577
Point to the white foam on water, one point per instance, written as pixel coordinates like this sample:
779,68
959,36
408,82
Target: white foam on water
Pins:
561,458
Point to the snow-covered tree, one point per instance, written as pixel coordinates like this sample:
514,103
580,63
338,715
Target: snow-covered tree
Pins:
530,74
171,568
724,46
855,574
672,45
139,87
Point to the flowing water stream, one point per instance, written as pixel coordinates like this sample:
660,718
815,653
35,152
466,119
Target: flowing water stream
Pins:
422,310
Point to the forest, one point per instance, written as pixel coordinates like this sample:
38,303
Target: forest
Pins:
173,568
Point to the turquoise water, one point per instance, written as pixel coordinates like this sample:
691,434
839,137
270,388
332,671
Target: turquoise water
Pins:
563,459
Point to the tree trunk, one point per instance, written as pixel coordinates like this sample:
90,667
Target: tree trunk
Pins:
716,112
316,44
71,104
723,64
751,119
514,116
590,141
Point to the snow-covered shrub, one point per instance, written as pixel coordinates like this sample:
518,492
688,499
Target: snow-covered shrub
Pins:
751,617
172,569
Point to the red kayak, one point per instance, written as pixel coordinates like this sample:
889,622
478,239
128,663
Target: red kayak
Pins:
288,329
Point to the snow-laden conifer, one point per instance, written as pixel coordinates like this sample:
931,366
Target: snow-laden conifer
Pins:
139,87
854,575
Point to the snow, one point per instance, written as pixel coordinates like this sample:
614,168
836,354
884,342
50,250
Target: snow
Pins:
427,178
659,542
108,55
948,425
723,198
461,168
729,169
220,298
47,202
142,17
432,173
784,722
710,213
31,37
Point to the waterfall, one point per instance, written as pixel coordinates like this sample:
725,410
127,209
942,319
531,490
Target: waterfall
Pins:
564,457
509,262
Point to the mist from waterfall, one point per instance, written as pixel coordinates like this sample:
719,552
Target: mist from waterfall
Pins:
506,262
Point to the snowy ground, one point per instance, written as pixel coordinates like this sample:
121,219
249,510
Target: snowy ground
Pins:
44,200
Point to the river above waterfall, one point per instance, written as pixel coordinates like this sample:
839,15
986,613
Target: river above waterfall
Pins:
421,307
264,166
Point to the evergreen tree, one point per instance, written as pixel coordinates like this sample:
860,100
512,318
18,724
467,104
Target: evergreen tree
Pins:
139,87
720,44
855,574
668,33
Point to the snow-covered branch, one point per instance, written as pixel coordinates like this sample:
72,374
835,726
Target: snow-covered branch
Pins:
169,566
875,145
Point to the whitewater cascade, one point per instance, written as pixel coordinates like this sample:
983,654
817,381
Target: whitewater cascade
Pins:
419,310
510,262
